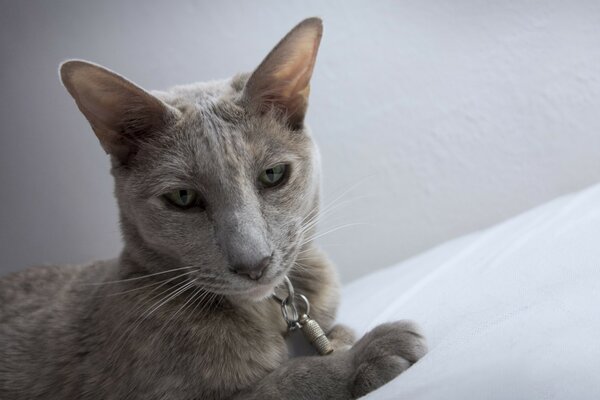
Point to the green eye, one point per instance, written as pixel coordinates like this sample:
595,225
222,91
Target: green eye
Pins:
273,176
182,198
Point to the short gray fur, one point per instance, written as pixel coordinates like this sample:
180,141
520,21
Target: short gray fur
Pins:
168,319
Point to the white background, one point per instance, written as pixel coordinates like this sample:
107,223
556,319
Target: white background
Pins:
435,118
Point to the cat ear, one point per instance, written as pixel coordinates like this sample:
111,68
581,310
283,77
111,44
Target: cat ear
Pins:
282,80
120,113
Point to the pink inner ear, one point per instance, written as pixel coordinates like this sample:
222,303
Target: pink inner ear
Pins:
104,99
102,109
293,75
282,79
114,106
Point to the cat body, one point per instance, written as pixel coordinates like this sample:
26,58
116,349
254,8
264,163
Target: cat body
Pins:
218,190
76,340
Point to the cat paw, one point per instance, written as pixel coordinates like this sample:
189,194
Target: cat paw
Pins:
341,337
384,353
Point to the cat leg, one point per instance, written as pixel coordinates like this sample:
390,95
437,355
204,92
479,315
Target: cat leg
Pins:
375,359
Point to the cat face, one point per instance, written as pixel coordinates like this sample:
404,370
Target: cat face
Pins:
219,152
222,177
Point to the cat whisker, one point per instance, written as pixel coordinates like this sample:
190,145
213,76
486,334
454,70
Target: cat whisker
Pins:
171,297
200,301
140,318
328,211
308,250
299,268
338,197
317,236
172,317
136,278
202,297
149,285
208,302
140,303
304,259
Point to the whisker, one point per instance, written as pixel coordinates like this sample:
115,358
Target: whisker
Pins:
327,211
317,236
151,284
199,301
136,278
208,302
171,297
346,191
143,316
172,317
163,302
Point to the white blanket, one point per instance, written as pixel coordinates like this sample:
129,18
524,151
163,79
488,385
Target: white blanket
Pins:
512,312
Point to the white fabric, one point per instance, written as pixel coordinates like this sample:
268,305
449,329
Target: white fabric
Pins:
512,312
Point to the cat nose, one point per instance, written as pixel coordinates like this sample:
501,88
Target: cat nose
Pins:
252,270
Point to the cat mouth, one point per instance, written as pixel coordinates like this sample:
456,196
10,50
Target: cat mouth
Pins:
262,290
258,292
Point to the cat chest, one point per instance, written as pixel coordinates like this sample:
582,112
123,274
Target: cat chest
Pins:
217,357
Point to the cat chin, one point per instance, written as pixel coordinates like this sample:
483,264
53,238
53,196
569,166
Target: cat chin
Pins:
259,291
256,294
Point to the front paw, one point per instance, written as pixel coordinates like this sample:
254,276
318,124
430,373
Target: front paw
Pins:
341,337
384,353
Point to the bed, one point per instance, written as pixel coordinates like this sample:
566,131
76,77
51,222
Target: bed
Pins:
512,312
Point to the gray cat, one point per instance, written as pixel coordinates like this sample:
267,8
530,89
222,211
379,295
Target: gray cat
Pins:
218,189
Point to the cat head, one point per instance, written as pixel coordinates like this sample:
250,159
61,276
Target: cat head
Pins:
220,179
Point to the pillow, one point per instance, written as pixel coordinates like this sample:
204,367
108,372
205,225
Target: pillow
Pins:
512,312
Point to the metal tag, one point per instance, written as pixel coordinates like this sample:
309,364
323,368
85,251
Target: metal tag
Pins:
310,328
315,335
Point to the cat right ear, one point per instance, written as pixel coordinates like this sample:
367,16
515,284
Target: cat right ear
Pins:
120,113
282,80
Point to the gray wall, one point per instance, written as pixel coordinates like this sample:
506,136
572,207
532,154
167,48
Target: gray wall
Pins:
437,118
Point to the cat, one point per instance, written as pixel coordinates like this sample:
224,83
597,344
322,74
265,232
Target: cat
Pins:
218,188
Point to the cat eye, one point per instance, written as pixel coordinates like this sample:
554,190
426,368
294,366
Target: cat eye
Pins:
183,198
273,176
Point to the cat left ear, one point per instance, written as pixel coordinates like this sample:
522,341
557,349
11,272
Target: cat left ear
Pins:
121,114
282,80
